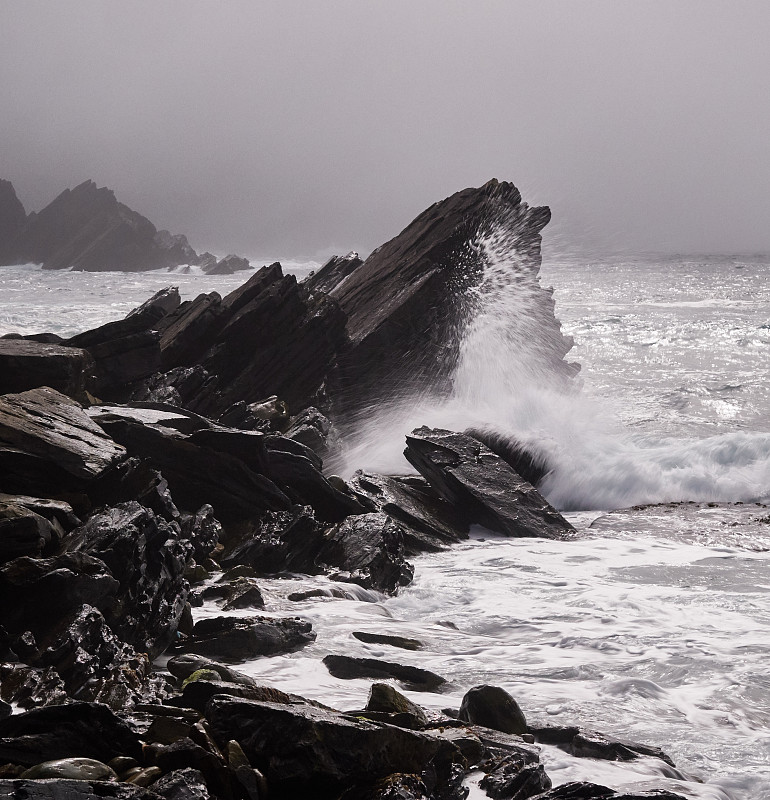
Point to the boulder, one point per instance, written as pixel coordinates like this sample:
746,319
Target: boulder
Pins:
306,751
242,638
28,365
472,478
182,784
48,444
83,769
23,532
514,779
163,302
492,707
228,265
65,789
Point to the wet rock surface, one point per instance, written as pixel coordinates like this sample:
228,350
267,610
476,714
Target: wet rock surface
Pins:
471,477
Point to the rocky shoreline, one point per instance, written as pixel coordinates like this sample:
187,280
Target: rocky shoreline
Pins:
144,458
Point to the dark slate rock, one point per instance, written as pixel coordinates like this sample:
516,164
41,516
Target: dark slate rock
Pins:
86,730
407,304
385,699
470,476
384,638
292,363
23,532
304,749
181,386
29,687
197,693
198,473
148,556
241,638
62,789
57,512
202,530
429,522
83,769
412,677
47,437
592,744
182,784
187,754
94,664
28,365
333,273
394,787
492,707
370,550
186,336
241,593
163,302
513,779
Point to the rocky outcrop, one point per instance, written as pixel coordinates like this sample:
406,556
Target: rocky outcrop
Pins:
333,273
28,365
49,445
479,483
409,302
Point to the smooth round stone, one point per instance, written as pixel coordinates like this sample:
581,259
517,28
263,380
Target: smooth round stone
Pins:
84,769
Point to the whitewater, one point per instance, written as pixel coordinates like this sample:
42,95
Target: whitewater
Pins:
653,624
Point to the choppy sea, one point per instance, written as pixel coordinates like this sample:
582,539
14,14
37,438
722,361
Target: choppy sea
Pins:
653,625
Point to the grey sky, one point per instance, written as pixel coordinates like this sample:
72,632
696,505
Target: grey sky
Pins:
293,128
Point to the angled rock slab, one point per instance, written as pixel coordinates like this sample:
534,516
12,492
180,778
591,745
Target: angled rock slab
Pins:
45,436
28,365
485,488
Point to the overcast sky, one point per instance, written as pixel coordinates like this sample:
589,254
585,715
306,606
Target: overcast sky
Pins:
295,128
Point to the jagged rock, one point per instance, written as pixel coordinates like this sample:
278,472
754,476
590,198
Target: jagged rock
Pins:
181,386
429,522
241,593
241,638
28,365
86,228
57,512
471,477
394,787
48,444
333,273
198,473
23,532
163,302
370,550
196,694
408,303
94,664
28,687
228,265
412,677
186,336
74,730
148,556
514,779
202,530
311,428
303,750
494,708
182,784
206,261
384,638
294,337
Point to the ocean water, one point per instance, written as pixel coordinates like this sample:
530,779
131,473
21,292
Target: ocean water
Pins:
654,623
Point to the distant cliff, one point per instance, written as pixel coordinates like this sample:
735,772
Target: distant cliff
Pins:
86,228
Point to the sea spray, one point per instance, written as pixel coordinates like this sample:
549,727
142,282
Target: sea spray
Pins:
511,380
